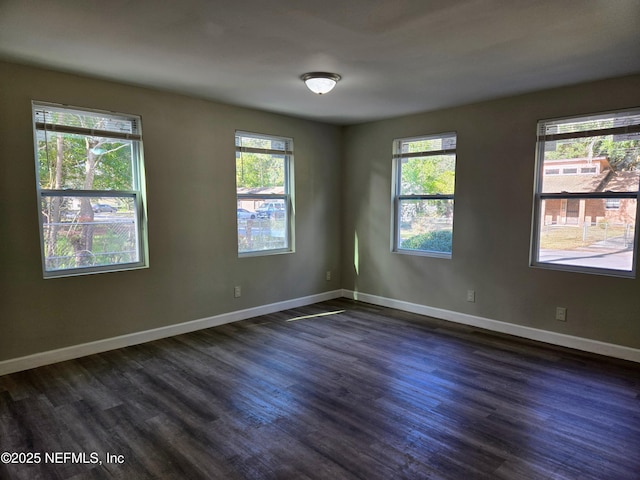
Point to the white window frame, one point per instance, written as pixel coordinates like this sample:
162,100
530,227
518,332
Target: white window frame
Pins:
137,193
548,132
397,197
286,197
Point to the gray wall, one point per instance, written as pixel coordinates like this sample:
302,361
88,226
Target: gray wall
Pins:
190,166
492,224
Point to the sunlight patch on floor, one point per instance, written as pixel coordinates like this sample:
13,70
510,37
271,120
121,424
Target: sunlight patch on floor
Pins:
316,315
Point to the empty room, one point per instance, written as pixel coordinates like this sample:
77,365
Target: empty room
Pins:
431,274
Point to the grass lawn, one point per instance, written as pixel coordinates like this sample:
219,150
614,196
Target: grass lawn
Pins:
568,237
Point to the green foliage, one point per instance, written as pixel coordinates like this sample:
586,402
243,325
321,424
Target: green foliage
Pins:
622,155
428,175
109,169
257,170
113,172
435,241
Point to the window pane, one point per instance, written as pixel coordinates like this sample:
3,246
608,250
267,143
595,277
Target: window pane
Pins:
427,175
592,164
263,142
428,144
588,232
89,231
51,115
262,224
425,225
260,173
590,122
68,161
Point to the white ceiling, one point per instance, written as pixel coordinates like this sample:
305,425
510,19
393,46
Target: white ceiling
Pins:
395,56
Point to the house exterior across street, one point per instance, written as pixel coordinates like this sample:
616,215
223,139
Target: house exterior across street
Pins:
583,175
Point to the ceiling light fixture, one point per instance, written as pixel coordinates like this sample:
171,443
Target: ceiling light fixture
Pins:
320,82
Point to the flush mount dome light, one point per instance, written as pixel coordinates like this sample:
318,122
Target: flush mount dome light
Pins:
320,82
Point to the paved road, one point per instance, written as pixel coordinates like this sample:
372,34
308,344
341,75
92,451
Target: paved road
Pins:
599,257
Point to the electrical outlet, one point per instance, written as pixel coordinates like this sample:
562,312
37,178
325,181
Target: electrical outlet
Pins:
561,314
471,296
328,275
237,291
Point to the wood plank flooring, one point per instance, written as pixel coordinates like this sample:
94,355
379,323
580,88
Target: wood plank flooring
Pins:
366,393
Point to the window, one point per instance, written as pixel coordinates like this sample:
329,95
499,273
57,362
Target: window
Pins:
90,186
424,181
588,223
612,204
263,186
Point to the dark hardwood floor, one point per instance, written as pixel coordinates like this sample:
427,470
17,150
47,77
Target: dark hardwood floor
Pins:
369,393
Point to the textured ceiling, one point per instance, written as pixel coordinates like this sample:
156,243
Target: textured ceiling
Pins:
395,57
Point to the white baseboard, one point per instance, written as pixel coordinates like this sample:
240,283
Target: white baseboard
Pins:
578,343
99,346
53,356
